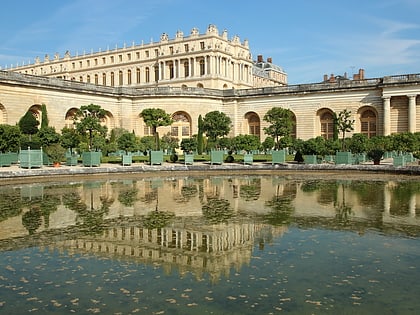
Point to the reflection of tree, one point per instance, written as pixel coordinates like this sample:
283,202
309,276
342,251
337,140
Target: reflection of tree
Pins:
150,196
128,197
187,192
369,194
92,219
252,190
158,219
343,212
217,211
10,204
327,190
401,194
281,210
49,205
31,220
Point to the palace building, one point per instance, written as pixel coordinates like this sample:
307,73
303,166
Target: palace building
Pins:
192,75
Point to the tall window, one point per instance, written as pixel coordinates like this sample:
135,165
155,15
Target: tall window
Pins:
137,75
129,77
104,78
112,79
181,126
327,125
186,69
120,78
202,67
96,79
156,73
147,75
88,79
253,124
171,70
368,123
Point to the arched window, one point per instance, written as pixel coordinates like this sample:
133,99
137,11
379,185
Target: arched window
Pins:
147,75
368,123
171,70
69,122
137,75
327,125
104,78
112,79
129,77
181,126
186,69
96,79
88,79
253,124
156,73
120,78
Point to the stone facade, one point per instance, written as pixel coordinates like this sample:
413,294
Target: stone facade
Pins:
208,60
192,75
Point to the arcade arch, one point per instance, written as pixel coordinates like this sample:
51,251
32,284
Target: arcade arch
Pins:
181,126
326,122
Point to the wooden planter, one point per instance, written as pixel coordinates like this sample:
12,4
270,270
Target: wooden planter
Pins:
31,158
216,157
71,160
278,157
310,159
91,158
188,158
155,157
343,158
248,158
127,159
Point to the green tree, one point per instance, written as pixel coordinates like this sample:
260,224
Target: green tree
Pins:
88,119
48,135
154,118
200,141
169,143
28,124
127,142
281,124
216,124
44,116
189,144
344,124
246,142
9,138
69,138
358,143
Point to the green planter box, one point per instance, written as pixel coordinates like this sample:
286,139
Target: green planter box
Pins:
278,157
91,158
188,158
31,158
7,159
399,160
155,157
71,160
343,158
127,159
310,159
248,158
216,157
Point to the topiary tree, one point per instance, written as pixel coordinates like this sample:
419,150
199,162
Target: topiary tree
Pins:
9,138
28,124
200,140
344,124
88,119
246,142
127,142
216,124
48,135
154,118
281,124
189,145
44,116
69,139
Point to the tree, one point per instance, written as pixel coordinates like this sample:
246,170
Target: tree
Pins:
48,136
344,124
200,141
28,124
216,124
281,124
154,118
127,142
246,142
9,138
69,138
88,119
44,116
189,145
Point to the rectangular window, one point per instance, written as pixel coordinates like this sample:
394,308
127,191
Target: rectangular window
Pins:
96,62
185,131
73,65
103,60
147,131
112,59
174,131
138,55
156,52
88,63
202,45
171,50
147,53
80,64
186,48
119,58
129,57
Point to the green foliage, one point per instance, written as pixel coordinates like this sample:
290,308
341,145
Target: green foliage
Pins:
246,142
69,139
127,141
281,124
358,143
48,136
405,142
168,142
216,124
44,116
28,124
189,145
217,211
10,137
344,124
154,118
200,141
55,152
225,143
268,144
147,143
88,120
158,219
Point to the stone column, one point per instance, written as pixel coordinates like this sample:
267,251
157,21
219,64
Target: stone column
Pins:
412,113
387,115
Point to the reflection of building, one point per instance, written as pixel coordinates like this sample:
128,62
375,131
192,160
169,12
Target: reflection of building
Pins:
194,75
200,249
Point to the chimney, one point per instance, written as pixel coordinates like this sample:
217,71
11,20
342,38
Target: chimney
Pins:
260,58
325,77
361,74
269,60
332,78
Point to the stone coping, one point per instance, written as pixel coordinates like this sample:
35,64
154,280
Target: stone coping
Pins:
50,172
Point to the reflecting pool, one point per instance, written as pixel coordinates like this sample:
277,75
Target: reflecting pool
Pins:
294,244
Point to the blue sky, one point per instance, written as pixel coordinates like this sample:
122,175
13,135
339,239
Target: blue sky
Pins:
306,38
